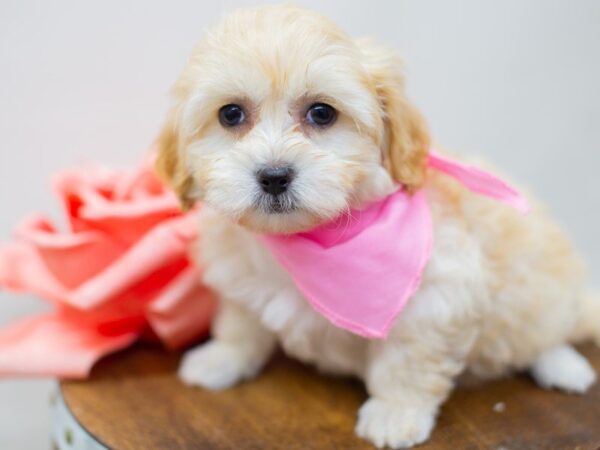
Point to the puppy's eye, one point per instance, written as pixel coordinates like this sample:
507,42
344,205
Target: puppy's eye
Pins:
231,115
321,114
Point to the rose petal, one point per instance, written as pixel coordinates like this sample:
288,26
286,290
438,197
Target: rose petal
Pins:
23,270
70,258
122,204
80,186
51,345
127,221
183,310
164,245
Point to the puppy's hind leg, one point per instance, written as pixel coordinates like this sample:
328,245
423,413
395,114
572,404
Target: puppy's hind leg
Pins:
588,326
563,368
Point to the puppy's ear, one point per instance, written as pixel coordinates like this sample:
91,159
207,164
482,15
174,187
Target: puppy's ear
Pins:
407,140
171,168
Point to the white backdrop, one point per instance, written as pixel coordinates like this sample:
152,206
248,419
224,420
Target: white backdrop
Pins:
515,81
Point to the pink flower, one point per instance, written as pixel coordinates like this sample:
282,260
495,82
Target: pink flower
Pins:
120,271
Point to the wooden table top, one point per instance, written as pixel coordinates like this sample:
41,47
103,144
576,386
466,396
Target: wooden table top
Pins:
133,401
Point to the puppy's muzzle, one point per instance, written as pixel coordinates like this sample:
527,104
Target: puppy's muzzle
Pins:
275,180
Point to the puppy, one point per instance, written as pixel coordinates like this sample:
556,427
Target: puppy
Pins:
284,89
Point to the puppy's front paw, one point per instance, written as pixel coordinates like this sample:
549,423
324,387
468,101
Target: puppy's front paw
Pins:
394,425
216,365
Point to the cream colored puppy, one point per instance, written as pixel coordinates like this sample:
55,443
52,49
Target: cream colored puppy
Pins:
280,88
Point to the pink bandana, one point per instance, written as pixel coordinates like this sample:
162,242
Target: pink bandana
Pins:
359,270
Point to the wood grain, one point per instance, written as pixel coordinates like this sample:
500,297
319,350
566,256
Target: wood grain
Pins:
134,401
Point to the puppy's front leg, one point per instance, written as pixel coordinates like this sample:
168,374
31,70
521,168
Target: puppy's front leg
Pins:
239,348
408,376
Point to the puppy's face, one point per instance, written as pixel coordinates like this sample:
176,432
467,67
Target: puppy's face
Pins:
282,122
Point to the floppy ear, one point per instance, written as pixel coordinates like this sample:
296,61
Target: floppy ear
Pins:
170,166
407,141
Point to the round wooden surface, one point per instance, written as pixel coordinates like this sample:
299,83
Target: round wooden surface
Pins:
133,401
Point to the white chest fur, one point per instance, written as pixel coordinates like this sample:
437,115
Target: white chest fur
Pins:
241,270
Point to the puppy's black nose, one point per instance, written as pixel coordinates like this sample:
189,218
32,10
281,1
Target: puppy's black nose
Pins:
275,180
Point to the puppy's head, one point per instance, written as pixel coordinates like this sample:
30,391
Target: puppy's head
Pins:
280,122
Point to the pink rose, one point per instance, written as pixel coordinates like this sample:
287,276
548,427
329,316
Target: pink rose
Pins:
120,271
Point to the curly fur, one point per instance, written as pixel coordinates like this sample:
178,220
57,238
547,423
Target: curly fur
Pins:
501,293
